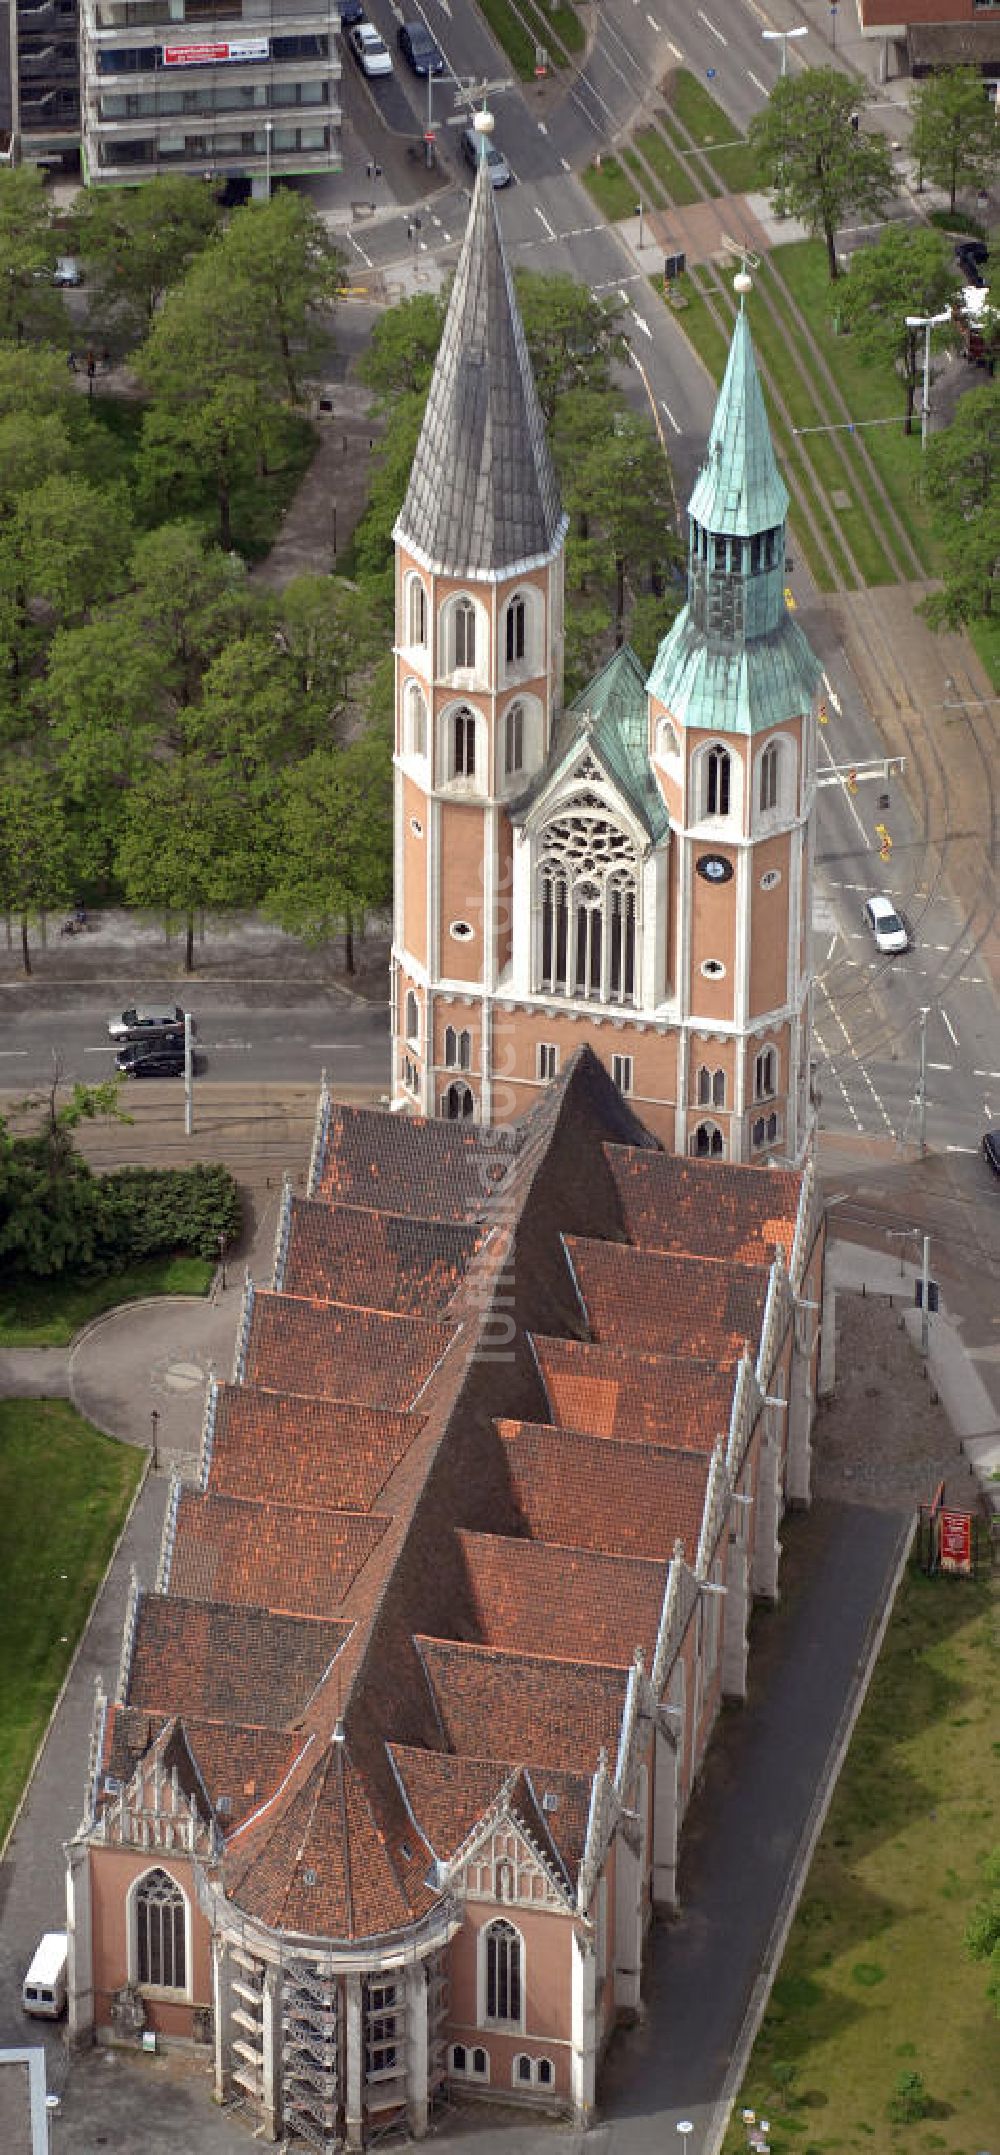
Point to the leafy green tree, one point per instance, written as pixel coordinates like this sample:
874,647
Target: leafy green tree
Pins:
283,254
909,271
617,488
331,634
573,338
35,400
36,865
29,305
139,241
962,481
404,343
372,544
74,541
186,843
190,599
819,167
955,138
333,860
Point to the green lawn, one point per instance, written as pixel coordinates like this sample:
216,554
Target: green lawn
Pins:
47,1313
510,32
673,171
64,1492
985,636
875,1981
612,189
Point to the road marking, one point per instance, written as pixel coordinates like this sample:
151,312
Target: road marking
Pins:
540,214
653,24
953,1034
940,1066
833,946
757,83
961,1148
642,324
366,258
986,1073
675,49
702,17
666,408
837,705
542,129
5,1052
565,163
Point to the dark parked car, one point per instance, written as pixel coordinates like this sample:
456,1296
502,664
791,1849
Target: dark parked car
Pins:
991,1148
970,255
351,11
143,1059
420,49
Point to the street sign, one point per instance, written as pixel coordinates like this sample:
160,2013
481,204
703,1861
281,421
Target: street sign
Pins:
933,1294
674,266
710,72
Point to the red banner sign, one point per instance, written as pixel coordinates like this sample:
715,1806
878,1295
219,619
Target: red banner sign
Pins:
955,1546
244,48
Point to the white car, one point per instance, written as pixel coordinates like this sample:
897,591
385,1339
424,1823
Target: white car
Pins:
882,918
372,56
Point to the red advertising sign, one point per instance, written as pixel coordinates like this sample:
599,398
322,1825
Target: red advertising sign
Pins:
955,1546
243,48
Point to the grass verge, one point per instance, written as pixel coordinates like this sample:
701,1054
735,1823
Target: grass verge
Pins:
48,1313
669,169
612,189
875,1981
64,1492
984,635
510,32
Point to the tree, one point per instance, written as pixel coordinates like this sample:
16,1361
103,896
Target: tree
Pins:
618,491
820,168
572,337
404,343
28,249
186,843
955,139
909,271
36,865
35,399
74,541
334,855
139,241
283,254
962,481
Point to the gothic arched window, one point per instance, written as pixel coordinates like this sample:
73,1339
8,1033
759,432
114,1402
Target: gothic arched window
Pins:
411,1023
416,612
516,630
160,1957
711,1087
463,633
463,743
414,720
503,1973
513,740
718,772
586,885
457,1048
765,1074
707,1142
768,773
458,1104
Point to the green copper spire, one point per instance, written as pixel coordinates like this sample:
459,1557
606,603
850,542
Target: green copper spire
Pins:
739,489
734,660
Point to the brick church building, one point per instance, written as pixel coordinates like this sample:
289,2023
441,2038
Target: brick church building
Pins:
633,870
391,1780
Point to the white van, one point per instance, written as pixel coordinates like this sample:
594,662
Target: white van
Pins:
44,1989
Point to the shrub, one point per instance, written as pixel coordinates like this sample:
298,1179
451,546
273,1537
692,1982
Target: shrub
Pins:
909,2100
151,1211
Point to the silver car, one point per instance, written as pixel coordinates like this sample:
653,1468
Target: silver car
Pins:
500,172
148,1021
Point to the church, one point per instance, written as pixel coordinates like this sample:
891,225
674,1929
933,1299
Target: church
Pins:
635,869
390,1783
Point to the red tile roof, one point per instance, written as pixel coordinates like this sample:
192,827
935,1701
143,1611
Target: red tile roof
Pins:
225,1664
376,1260
284,1449
449,1796
239,1766
272,1556
657,1304
333,1352
399,1163
664,1398
596,1493
543,1598
669,1203
530,1710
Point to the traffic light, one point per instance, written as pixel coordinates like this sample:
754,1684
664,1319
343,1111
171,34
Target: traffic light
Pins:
823,715
852,781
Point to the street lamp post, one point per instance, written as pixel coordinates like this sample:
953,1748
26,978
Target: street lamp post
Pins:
154,1416
268,130
801,30
927,322
833,25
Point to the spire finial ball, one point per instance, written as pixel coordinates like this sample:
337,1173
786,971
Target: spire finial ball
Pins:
483,122
742,283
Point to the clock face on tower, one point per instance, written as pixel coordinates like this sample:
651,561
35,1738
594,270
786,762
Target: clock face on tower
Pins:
714,868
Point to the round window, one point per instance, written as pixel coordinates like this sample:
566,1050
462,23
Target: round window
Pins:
416,827
461,931
714,969
770,879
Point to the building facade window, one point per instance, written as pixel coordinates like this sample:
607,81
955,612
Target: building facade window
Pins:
718,782
411,1018
522,2070
504,1973
414,720
463,634
707,1142
458,1104
667,743
411,1075
457,1048
768,774
621,1073
587,885
765,1074
481,2063
380,2030
463,743
516,631
416,612
545,2073
764,1131
547,1060
160,1933
513,740
711,1087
